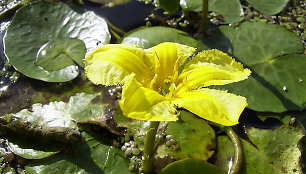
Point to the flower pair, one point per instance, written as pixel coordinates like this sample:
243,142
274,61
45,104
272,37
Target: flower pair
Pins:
158,80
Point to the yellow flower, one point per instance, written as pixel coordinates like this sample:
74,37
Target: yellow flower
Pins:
158,80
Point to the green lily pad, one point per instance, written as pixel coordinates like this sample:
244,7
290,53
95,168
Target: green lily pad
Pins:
147,37
91,156
43,30
190,165
268,7
193,137
272,151
280,79
231,10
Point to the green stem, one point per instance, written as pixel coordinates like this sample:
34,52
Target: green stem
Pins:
116,29
115,35
237,150
204,15
149,150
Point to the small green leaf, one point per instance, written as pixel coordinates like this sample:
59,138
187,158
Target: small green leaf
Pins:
147,37
29,149
268,7
91,156
40,23
193,137
190,165
170,6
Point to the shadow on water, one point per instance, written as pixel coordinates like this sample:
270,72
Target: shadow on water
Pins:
125,16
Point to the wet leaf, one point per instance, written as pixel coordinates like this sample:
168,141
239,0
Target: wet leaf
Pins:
268,7
231,10
58,120
280,79
42,24
147,37
193,138
190,165
91,155
60,114
273,151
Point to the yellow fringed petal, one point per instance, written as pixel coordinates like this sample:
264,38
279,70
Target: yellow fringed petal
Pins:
212,67
111,64
143,103
170,56
213,105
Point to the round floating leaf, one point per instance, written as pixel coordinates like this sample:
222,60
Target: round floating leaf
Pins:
193,136
231,10
147,37
193,166
272,151
268,7
44,27
91,156
277,83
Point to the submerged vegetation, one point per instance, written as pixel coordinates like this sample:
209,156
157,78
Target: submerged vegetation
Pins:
101,86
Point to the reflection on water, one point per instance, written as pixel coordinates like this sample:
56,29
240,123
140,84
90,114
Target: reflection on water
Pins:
7,75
